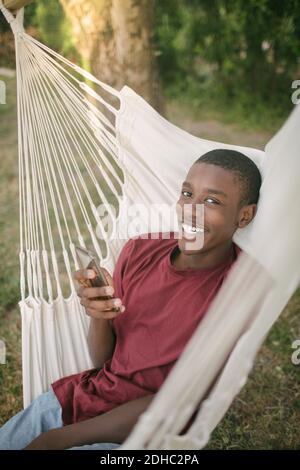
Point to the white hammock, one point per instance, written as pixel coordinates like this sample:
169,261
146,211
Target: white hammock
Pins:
76,151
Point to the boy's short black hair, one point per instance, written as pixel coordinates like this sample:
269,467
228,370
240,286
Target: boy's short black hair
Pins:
243,167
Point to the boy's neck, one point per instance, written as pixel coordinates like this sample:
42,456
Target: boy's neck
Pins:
202,260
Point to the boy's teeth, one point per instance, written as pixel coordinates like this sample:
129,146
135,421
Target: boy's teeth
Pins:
190,229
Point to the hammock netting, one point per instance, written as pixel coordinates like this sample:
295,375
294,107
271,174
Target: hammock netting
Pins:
83,145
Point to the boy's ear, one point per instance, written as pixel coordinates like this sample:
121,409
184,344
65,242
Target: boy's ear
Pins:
247,213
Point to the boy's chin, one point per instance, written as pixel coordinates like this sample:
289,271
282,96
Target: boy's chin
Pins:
191,246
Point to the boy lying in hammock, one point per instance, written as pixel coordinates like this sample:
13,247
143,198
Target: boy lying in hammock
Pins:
163,289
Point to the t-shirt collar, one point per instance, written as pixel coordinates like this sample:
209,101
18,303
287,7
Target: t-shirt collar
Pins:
190,272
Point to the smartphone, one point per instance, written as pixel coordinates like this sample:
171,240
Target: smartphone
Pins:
88,260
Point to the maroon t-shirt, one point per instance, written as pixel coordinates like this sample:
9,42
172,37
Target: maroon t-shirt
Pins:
163,309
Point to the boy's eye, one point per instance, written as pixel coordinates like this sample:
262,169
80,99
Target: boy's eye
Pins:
184,192
214,201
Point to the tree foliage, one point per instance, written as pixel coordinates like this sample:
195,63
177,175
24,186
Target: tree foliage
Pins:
228,51
234,47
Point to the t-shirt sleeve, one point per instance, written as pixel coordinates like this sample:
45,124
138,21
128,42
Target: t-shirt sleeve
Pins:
120,270
120,267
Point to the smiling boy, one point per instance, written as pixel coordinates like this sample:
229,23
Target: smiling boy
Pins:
163,287
227,183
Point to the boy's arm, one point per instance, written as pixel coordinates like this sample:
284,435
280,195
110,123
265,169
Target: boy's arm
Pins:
101,336
113,426
101,341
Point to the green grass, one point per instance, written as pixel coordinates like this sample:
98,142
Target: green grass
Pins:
265,415
10,324
206,101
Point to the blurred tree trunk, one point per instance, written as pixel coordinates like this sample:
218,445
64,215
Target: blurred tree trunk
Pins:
114,38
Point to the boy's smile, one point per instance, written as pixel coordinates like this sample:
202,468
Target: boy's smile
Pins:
218,193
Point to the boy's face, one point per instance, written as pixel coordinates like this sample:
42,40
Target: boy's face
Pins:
220,193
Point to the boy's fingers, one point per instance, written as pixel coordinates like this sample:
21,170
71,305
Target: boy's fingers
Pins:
84,274
101,305
97,309
93,292
92,312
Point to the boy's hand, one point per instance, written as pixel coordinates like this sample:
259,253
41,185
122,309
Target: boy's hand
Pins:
94,299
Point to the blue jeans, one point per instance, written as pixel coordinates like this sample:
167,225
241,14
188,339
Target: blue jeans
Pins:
43,414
